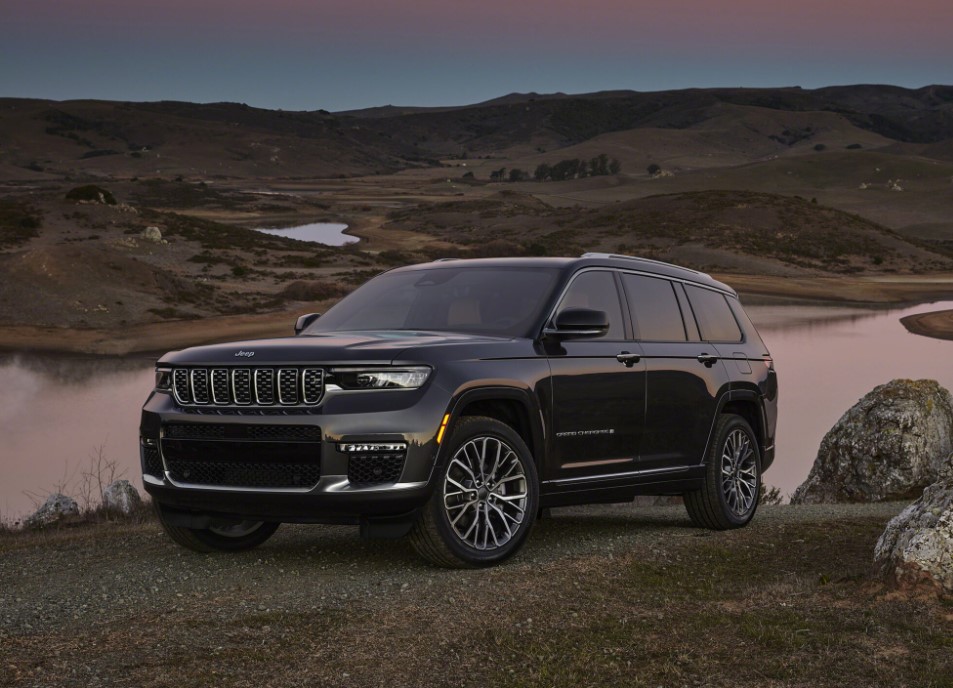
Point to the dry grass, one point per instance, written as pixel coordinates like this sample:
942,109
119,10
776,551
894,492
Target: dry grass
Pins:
645,601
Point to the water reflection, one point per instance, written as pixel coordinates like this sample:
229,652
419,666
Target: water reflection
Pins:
58,411
826,365
328,233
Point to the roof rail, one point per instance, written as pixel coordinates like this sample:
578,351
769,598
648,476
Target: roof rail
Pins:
442,260
642,260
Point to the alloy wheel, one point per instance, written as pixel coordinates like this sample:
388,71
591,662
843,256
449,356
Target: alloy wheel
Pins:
485,493
739,472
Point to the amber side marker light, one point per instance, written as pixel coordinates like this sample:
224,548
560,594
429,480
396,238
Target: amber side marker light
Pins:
443,427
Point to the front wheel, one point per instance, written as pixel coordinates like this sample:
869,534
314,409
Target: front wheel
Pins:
220,536
485,500
732,485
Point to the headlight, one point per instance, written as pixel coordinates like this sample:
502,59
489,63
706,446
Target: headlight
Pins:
380,378
163,380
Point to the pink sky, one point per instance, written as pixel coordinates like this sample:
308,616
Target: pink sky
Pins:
361,52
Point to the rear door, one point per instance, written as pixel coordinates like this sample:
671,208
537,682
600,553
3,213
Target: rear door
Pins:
684,375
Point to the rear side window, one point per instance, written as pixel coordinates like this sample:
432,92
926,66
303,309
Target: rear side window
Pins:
654,308
596,290
716,322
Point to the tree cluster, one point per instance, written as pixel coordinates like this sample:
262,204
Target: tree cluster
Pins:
575,168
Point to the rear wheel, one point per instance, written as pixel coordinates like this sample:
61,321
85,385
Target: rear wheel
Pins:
221,536
729,495
485,501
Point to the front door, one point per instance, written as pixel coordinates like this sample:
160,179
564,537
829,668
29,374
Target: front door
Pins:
598,399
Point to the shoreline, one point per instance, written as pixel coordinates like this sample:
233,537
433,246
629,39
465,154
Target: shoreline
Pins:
935,324
155,338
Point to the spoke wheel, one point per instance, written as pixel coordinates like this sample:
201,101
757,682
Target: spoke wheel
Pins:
729,494
485,501
739,472
485,493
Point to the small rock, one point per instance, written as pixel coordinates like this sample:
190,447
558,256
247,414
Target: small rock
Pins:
152,234
890,445
917,546
56,508
122,497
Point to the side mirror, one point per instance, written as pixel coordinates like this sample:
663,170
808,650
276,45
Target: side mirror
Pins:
572,323
303,321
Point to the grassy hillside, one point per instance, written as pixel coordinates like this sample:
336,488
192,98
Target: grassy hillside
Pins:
101,138
709,230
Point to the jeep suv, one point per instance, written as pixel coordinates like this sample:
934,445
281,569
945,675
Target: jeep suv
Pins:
453,401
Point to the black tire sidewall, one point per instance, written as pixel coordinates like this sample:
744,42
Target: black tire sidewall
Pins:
730,424
467,429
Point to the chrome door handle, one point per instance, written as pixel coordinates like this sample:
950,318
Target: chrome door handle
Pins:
707,359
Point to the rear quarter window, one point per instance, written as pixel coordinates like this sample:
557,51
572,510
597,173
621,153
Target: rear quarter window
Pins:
716,322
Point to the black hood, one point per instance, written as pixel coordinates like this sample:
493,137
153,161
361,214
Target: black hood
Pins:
379,347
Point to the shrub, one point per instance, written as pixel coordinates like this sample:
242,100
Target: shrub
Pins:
19,223
854,146
90,193
653,169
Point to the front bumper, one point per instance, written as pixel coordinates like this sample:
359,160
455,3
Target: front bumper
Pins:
334,493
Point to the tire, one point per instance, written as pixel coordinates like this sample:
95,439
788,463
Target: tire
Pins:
476,519
729,494
226,536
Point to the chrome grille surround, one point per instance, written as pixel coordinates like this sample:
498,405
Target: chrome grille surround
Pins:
265,386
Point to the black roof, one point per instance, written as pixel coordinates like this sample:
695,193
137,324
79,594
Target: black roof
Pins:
647,265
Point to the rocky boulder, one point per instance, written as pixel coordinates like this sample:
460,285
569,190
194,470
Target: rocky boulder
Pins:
152,234
890,445
56,508
121,497
916,549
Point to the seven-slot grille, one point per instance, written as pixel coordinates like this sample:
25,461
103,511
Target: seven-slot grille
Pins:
271,386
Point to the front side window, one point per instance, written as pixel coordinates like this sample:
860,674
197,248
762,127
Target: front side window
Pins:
501,301
654,309
596,290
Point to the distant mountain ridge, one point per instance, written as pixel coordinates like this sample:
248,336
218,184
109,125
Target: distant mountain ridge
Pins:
103,138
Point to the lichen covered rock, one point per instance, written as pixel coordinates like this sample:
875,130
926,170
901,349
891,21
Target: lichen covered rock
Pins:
916,549
56,508
120,496
890,445
152,234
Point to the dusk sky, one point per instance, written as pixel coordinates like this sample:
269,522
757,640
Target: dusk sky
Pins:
343,54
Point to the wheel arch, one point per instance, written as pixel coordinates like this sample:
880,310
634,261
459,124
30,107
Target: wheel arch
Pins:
747,404
513,406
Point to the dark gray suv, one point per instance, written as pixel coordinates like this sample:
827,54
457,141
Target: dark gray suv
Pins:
454,400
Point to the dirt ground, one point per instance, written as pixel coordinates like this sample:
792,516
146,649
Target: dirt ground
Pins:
602,595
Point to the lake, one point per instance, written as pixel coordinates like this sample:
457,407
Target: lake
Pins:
61,411
328,233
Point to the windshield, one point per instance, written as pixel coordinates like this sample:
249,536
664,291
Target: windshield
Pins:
502,301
